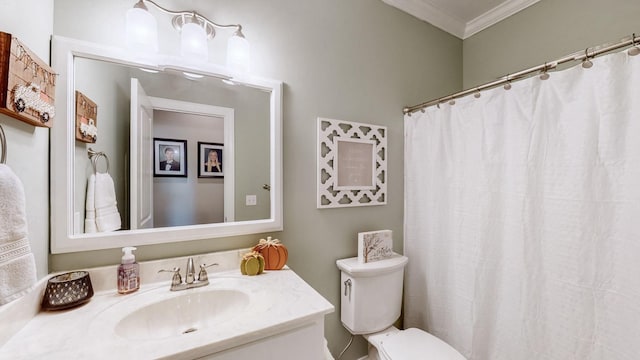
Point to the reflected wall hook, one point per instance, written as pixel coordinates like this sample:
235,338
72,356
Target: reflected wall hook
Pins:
3,146
266,187
94,156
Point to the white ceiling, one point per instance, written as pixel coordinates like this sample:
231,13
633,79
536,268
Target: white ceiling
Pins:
461,18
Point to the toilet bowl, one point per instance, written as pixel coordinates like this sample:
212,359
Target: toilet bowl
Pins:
371,298
412,343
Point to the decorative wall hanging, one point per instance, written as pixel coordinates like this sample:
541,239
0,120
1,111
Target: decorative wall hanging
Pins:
86,119
352,165
210,160
27,84
169,158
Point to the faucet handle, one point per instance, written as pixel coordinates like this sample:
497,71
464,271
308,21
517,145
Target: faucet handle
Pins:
202,276
176,279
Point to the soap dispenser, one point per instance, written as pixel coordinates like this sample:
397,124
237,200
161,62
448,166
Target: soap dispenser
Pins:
128,272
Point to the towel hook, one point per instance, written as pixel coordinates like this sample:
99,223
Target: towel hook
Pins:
3,145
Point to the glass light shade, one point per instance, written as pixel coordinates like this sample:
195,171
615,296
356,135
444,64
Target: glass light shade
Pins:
238,53
142,30
193,42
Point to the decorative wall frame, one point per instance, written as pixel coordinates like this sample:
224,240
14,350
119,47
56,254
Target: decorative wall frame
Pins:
352,164
27,84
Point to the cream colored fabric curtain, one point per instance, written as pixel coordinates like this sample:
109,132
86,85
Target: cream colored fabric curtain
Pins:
522,217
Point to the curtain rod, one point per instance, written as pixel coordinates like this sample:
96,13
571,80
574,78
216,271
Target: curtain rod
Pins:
587,54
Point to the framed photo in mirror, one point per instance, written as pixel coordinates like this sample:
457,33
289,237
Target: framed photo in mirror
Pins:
210,160
169,158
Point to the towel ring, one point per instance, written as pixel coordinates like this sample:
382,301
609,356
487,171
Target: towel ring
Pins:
94,156
3,146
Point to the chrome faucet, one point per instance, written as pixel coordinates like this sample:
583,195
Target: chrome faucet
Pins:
190,277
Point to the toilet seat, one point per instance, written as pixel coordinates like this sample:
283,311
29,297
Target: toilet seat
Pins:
414,343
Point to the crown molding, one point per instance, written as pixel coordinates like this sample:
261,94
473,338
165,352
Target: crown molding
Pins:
496,15
423,10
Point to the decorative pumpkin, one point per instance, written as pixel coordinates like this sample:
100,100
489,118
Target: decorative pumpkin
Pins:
275,254
252,264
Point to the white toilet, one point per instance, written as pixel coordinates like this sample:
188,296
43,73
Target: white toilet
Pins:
371,299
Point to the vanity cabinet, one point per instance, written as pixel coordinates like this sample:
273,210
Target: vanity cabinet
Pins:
305,342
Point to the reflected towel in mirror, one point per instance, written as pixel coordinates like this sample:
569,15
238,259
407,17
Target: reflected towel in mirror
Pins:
101,213
17,264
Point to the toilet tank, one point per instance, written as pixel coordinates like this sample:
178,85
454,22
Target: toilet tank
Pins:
370,293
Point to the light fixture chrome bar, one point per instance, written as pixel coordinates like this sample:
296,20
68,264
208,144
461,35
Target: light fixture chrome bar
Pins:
577,56
181,14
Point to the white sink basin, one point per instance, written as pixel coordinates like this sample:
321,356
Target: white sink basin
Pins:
181,315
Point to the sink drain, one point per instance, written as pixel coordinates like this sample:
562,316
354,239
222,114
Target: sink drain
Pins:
190,330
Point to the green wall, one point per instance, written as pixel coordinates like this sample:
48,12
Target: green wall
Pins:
28,146
544,32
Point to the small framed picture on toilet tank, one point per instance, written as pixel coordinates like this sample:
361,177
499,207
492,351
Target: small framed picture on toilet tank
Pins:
374,245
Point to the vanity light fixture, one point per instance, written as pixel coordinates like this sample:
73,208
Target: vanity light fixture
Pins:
195,29
142,29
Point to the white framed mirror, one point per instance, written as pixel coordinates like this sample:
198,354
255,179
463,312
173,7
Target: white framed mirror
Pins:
226,113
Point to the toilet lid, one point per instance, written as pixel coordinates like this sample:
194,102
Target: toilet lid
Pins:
416,344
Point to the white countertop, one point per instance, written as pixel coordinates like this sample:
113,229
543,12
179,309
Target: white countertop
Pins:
281,301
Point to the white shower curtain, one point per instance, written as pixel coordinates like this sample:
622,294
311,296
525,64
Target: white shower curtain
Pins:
522,217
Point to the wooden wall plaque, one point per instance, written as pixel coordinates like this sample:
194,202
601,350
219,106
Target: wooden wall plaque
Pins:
86,119
27,84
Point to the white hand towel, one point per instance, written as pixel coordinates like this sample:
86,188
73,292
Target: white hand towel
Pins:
90,207
107,215
17,264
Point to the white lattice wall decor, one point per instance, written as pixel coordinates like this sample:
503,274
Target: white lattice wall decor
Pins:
352,164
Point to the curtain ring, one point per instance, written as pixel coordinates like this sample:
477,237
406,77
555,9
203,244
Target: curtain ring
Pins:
507,86
586,63
544,75
634,50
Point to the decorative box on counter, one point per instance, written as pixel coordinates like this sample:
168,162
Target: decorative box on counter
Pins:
27,84
67,290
